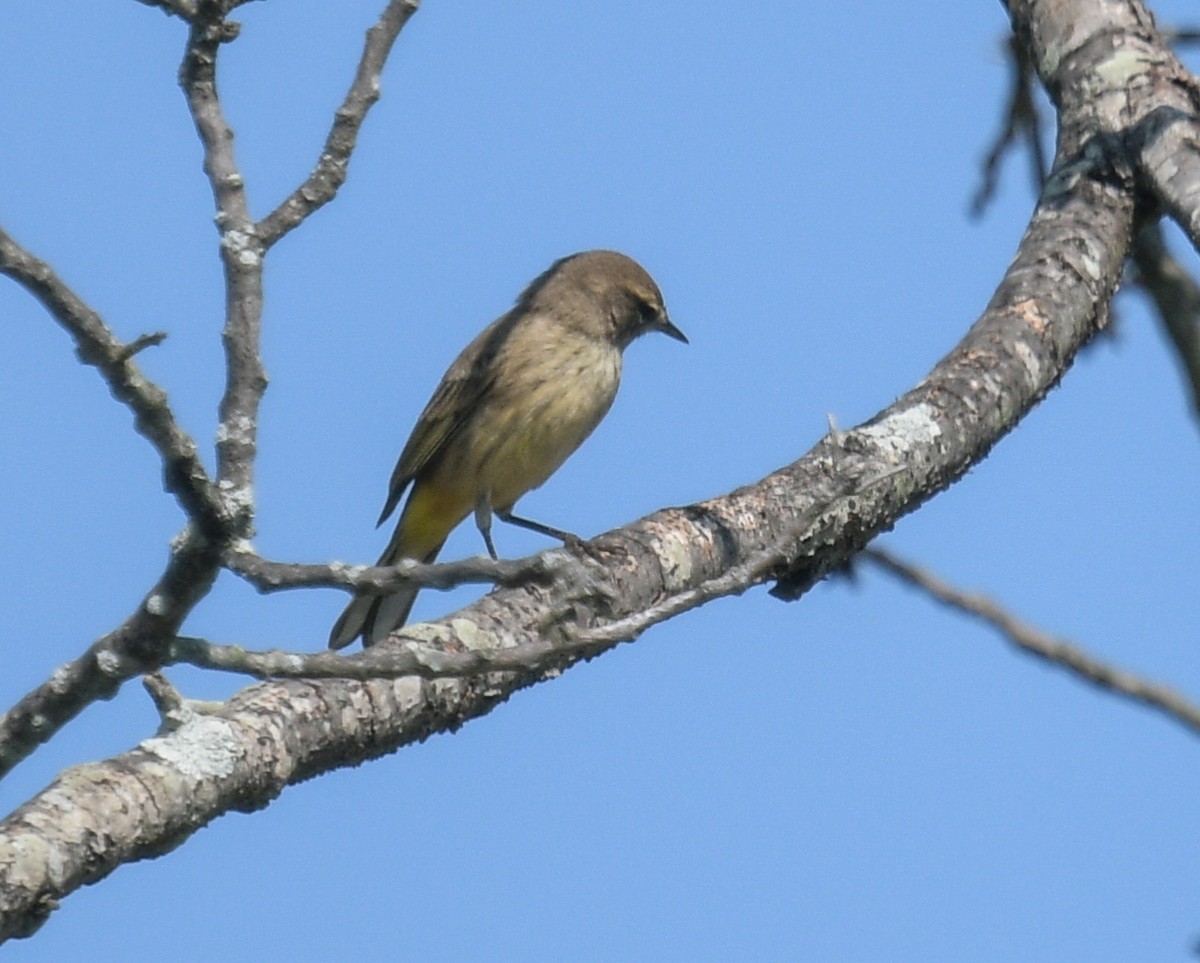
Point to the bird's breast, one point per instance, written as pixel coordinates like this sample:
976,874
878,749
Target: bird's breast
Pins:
550,394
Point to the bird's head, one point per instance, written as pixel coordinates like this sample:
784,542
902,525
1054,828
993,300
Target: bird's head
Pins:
602,293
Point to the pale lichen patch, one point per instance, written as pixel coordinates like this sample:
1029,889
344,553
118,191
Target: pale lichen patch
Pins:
202,748
1117,70
899,433
469,634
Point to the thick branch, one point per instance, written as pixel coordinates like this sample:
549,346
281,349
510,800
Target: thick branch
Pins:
1134,91
330,173
1170,161
1037,643
1105,61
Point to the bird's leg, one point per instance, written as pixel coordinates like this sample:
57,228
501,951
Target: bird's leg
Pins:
483,521
567,538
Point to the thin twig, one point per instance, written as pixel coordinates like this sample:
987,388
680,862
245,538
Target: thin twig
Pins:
219,512
1182,36
141,343
1028,639
269,576
173,709
330,173
241,254
413,656
165,696
1022,120
1177,298
184,475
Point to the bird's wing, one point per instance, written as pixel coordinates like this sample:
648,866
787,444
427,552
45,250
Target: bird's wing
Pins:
462,388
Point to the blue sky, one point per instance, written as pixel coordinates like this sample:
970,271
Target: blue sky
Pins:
860,775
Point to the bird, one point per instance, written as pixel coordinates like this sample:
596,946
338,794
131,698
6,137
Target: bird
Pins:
510,409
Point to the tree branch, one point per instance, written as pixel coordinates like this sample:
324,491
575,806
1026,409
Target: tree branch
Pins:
1113,83
419,655
133,648
241,254
95,344
219,512
268,576
1142,59
1046,647
1176,296
174,709
533,656
330,173
1021,121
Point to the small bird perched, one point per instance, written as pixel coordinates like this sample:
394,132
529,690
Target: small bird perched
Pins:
519,399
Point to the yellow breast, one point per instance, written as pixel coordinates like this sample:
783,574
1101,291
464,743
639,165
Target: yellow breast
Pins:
553,388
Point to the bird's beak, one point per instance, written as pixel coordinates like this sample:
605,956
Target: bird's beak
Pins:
666,327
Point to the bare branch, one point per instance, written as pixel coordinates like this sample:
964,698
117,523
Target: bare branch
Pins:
268,576
141,343
135,647
1022,120
1177,298
139,644
536,655
1034,642
173,708
790,559
1160,146
1181,36
166,697
1170,161
330,173
241,254
1175,294
414,657
95,344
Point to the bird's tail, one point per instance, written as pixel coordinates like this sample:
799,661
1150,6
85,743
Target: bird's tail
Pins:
375,616
431,513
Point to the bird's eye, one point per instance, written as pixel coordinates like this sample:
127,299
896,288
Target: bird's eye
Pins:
649,313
